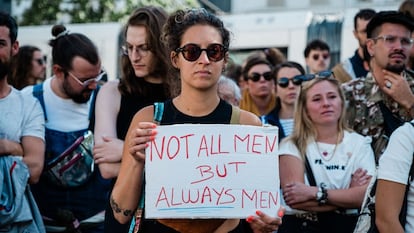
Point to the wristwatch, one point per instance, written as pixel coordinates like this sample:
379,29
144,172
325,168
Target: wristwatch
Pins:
322,194
319,194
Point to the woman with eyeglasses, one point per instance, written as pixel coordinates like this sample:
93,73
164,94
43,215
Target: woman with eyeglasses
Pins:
144,81
258,96
324,167
198,45
28,67
288,79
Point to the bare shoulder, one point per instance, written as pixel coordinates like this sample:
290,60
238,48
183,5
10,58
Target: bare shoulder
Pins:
145,114
248,118
110,87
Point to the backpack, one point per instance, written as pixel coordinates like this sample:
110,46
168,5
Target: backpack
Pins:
366,219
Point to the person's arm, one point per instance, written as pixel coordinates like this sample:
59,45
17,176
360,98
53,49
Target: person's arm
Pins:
388,202
34,155
296,193
127,190
8,147
108,148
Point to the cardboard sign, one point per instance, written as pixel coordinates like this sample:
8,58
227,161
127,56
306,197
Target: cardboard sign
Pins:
212,171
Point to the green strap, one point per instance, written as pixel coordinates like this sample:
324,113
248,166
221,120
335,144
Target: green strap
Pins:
235,115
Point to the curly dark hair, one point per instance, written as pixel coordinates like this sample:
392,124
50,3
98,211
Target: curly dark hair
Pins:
153,19
178,23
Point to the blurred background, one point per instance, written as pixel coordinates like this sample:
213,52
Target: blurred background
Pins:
255,24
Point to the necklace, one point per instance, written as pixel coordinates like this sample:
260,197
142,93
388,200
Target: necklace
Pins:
324,154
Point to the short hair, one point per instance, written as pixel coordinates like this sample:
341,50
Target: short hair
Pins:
66,46
316,44
252,61
10,23
226,81
393,17
365,14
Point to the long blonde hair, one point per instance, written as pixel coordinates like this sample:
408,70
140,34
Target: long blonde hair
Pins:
304,131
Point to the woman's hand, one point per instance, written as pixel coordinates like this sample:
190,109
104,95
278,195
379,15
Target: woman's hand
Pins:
297,192
263,223
360,178
139,139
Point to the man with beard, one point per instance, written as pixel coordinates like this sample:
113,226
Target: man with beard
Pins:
355,66
71,193
384,99
21,143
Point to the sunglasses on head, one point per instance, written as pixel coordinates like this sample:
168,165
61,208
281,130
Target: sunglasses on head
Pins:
320,75
284,82
255,77
324,56
191,52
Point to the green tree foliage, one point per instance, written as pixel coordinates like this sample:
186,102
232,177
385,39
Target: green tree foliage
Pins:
92,11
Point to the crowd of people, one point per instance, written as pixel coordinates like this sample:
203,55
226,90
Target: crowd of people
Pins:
75,144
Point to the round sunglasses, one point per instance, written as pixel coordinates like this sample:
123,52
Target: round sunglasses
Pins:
255,77
191,52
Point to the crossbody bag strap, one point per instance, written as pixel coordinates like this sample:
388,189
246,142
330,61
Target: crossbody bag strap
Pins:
309,173
92,109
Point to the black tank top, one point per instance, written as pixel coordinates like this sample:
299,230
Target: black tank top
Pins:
131,104
220,115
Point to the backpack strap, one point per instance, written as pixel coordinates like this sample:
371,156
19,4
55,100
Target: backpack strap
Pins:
38,93
158,112
235,115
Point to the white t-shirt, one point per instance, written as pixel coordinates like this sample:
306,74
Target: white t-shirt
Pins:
20,115
335,170
395,163
63,115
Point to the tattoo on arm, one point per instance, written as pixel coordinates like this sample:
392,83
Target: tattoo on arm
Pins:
115,207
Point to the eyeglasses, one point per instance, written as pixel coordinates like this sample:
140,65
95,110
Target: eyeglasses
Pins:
390,40
40,61
142,50
88,81
324,56
191,52
284,82
255,77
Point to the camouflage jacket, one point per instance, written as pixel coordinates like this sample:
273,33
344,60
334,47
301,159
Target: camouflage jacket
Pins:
363,112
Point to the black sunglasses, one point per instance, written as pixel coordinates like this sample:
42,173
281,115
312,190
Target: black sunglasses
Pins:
255,77
191,52
284,82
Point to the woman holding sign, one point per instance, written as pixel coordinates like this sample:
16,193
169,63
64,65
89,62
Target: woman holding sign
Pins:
198,44
324,167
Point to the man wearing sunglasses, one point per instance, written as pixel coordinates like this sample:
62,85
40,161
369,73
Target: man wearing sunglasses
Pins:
317,56
76,202
355,66
384,99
